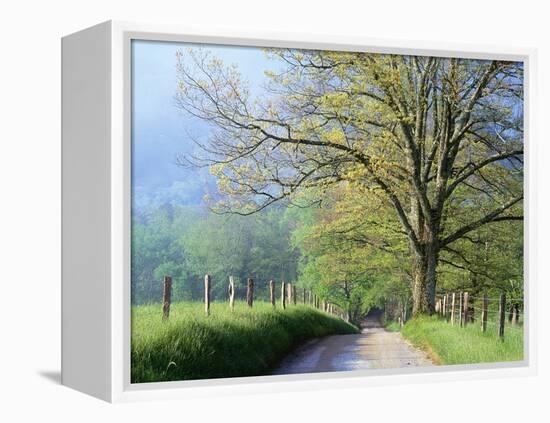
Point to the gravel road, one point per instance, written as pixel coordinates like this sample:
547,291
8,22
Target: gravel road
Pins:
373,348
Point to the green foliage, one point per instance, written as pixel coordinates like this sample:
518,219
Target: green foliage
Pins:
455,345
246,342
392,326
352,252
365,178
189,242
407,155
156,252
490,260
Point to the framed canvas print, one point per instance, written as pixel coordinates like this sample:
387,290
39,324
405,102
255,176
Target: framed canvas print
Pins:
259,212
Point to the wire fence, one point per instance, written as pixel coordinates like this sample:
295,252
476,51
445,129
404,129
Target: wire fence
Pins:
496,313
460,308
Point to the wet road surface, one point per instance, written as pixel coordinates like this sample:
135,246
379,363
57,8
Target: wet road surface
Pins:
373,348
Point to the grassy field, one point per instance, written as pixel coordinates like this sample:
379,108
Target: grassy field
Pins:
245,342
448,344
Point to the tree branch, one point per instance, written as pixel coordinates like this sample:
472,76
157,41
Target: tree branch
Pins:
477,167
480,222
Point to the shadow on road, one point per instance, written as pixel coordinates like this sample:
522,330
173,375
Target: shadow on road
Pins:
372,320
373,348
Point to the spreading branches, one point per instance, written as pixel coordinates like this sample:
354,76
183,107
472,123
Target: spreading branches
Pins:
431,136
494,215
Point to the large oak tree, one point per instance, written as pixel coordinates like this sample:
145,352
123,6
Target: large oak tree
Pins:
411,130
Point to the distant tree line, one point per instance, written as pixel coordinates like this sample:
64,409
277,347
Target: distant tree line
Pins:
187,242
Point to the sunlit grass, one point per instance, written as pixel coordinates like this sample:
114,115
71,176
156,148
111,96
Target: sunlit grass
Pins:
245,342
456,345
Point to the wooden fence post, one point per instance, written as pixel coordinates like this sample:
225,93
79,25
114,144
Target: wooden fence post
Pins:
465,308
289,293
283,295
515,314
501,315
231,291
484,307
453,309
166,297
207,294
250,291
460,308
272,293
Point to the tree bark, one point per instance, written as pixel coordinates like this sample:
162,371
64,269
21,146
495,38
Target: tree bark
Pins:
424,280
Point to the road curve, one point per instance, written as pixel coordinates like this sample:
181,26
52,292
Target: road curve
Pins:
373,348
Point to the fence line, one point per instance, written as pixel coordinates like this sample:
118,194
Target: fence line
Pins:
289,296
462,309
468,306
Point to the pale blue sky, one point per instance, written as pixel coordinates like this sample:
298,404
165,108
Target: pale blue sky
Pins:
159,128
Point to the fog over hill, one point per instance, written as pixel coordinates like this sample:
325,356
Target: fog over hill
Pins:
160,131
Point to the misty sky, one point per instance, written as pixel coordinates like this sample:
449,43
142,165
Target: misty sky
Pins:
160,130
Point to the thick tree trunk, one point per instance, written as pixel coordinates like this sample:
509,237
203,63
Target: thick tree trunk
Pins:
424,280
424,260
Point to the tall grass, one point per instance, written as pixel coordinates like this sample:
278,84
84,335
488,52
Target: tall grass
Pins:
246,342
450,344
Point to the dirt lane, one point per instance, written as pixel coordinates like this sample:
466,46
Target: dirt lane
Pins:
373,348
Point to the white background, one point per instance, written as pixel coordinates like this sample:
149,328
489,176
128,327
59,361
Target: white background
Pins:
30,207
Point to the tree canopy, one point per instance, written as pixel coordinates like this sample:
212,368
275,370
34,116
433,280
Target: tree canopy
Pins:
430,148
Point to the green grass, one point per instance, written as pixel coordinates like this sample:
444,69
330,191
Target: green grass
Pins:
246,342
392,326
450,344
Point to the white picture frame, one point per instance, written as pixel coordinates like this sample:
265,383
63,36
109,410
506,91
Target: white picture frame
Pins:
96,177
